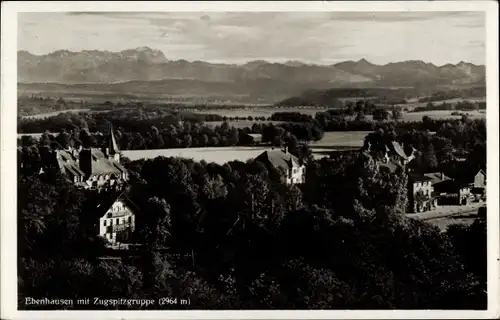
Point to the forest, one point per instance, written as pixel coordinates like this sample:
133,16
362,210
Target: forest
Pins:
340,241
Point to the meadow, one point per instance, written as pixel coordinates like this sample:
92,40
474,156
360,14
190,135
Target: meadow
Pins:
218,155
55,113
441,114
331,141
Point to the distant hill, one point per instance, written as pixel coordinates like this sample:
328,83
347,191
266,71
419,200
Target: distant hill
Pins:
146,64
145,70
396,96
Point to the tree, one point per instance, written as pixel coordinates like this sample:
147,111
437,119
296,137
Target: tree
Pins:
380,115
158,223
396,114
187,141
429,157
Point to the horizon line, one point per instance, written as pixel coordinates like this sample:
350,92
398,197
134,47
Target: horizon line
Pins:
147,48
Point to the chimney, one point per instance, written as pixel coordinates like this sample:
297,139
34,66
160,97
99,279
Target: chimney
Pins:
85,162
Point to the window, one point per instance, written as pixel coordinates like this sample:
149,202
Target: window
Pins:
104,222
130,219
117,221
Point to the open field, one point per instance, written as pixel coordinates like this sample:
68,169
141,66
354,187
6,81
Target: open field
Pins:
218,155
341,139
331,142
443,216
441,114
55,113
240,124
34,135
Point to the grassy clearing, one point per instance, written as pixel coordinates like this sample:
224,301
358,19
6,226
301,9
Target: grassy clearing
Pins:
240,124
440,114
218,155
331,141
340,139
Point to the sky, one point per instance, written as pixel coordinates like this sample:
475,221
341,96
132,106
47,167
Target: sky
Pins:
239,37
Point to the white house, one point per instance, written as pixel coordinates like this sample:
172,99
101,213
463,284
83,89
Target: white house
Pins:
117,222
287,163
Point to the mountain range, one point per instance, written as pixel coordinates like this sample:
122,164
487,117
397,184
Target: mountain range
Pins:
118,71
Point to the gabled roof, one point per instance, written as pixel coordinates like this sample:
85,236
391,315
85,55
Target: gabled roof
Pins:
392,167
467,175
113,146
279,159
255,135
419,177
437,177
398,149
102,165
106,204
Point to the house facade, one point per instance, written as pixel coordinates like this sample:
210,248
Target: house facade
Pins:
453,192
479,184
421,193
117,221
294,172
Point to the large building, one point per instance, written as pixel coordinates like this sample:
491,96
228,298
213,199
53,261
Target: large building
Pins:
93,168
294,172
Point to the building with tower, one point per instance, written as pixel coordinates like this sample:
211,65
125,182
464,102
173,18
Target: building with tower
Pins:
92,168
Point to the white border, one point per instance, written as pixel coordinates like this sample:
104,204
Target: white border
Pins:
8,152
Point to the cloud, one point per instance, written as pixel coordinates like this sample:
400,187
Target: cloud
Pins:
315,37
397,16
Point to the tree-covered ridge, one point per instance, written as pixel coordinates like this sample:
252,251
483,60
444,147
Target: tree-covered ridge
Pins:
340,241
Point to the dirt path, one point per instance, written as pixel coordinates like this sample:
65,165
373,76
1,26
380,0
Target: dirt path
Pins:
447,211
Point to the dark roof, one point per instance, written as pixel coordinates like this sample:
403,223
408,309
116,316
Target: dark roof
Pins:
419,177
255,136
67,163
102,165
278,159
450,186
104,205
397,148
437,177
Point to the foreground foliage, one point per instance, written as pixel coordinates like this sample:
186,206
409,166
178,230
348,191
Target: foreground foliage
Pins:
233,237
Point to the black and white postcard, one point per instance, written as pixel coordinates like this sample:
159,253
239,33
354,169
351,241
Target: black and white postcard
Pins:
249,160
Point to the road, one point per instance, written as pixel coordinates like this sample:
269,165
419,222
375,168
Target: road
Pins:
445,216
